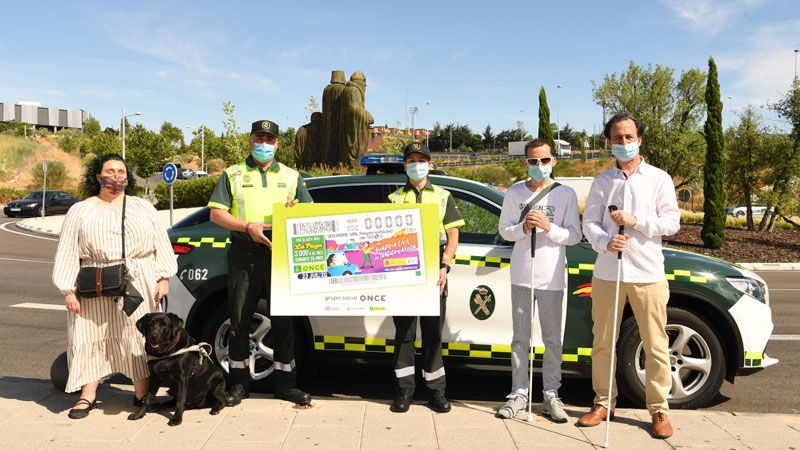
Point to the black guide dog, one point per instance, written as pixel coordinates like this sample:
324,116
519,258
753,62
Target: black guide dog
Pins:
176,362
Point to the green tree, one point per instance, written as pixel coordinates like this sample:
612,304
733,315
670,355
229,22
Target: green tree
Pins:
488,137
91,127
713,232
311,107
172,134
146,150
57,176
394,145
746,158
670,111
285,152
69,141
788,168
233,149
103,143
545,132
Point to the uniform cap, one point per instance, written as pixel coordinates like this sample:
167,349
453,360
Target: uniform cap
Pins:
416,147
265,126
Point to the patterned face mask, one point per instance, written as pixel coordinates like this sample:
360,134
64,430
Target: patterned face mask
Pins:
113,184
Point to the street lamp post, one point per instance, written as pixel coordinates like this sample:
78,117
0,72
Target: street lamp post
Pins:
428,122
796,51
730,110
413,110
202,146
558,132
137,113
451,133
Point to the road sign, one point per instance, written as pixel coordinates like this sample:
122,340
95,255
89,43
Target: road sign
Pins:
169,173
684,195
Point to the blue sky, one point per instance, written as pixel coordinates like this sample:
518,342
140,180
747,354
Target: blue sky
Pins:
474,62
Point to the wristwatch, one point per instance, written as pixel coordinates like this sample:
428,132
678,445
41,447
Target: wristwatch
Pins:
445,266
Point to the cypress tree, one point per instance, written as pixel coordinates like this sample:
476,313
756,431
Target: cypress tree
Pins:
713,232
545,132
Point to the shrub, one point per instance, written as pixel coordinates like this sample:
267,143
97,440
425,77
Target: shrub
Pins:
187,193
56,175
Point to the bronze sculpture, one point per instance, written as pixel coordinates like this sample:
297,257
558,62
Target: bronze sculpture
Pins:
339,135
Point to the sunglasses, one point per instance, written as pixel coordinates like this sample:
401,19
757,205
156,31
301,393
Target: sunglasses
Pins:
535,161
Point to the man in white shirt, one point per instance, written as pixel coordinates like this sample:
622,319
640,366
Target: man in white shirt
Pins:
556,221
647,208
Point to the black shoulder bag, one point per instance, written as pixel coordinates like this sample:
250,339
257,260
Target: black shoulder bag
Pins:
530,205
111,281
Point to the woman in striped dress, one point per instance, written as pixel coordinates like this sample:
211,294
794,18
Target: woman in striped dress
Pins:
102,339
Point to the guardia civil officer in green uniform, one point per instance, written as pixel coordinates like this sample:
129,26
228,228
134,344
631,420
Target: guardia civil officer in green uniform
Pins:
418,189
242,202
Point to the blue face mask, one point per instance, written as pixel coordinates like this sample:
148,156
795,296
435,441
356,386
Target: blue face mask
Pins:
625,152
540,173
417,171
263,152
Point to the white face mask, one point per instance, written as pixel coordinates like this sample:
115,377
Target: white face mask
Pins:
625,152
417,171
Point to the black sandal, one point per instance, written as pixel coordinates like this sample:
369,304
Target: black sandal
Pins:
82,413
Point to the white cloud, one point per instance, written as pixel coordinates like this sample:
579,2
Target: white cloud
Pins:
459,54
765,65
711,16
253,81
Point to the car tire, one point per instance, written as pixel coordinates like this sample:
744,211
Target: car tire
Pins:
739,214
347,272
215,332
59,372
697,360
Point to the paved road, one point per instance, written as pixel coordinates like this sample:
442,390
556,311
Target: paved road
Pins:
34,337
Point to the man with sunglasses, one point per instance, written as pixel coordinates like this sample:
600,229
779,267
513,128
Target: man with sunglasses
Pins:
646,206
554,217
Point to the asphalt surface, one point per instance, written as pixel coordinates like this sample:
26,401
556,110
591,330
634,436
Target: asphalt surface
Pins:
33,338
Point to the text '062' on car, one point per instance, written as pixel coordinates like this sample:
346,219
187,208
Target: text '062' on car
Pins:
54,202
719,319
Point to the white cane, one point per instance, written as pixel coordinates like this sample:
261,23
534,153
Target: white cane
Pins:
530,342
612,208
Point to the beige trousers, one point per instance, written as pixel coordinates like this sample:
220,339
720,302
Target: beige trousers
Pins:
649,304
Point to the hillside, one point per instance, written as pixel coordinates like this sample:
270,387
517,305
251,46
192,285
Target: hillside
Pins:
50,151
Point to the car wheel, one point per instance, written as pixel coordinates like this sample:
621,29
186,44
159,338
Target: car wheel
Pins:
59,372
697,362
217,331
347,272
739,214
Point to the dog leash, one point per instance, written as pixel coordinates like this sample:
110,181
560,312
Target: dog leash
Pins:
203,349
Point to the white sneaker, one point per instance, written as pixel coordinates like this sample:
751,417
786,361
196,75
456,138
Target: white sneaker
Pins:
555,409
512,407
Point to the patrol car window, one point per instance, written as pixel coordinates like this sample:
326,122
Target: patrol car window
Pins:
349,194
202,215
480,219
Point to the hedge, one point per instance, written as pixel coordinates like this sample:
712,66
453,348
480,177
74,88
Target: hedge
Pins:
186,193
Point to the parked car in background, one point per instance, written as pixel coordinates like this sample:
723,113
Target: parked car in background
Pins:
740,210
200,173
55,202
185,173
161,166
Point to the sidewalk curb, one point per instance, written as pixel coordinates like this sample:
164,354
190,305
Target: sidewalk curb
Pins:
44,228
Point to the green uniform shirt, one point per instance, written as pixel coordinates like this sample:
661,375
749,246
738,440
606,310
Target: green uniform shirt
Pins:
222,197
449,217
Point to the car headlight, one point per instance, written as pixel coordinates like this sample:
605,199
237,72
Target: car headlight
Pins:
747,286
32,205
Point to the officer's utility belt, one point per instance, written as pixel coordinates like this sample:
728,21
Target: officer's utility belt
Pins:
238,241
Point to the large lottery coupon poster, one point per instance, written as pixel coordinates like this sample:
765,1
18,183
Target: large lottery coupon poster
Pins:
355,259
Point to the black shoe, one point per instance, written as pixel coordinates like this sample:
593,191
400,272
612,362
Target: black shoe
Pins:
236,394
438,403
293,395
401,403
82,413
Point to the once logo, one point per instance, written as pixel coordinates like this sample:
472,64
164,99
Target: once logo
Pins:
481,302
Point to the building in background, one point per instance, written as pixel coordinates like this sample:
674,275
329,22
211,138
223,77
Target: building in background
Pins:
377,134
43,117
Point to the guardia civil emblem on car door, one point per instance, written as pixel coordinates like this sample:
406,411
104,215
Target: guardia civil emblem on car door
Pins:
481,302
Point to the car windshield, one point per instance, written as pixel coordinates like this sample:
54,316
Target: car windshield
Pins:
35,195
